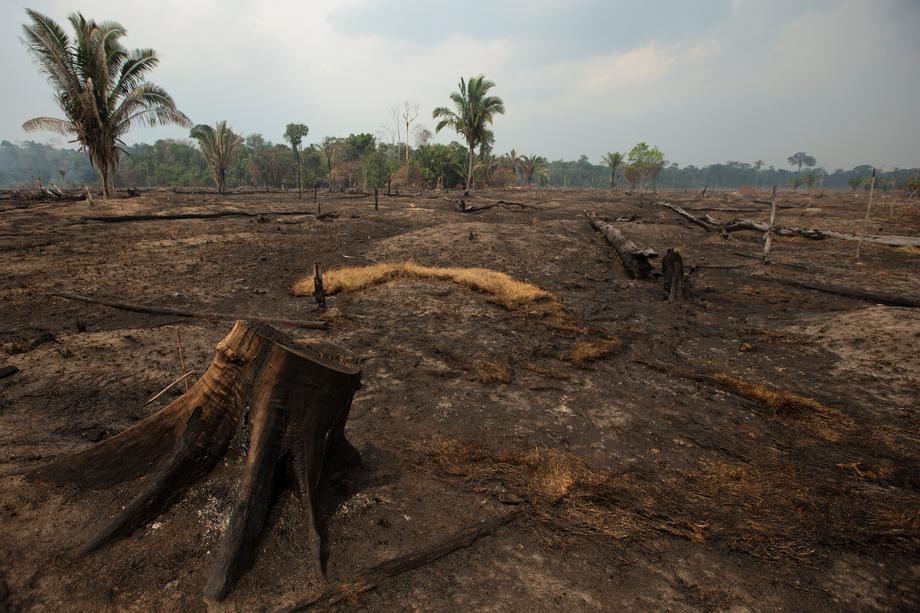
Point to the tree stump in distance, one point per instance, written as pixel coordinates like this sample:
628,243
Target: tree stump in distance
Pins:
298,397
675,282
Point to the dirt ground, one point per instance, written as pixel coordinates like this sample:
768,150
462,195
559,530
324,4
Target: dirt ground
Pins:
713,501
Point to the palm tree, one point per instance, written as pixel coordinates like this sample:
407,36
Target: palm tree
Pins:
613,160
218,145
99,86
532,165
294,134
473,112
513,161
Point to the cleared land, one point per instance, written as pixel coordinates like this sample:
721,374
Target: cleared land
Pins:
756,446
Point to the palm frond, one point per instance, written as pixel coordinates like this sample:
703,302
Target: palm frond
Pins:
51,124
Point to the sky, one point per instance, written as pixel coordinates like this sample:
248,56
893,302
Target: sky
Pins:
705,80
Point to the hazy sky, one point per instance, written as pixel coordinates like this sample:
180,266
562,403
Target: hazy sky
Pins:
707,80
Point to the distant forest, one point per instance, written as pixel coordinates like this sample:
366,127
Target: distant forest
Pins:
360,161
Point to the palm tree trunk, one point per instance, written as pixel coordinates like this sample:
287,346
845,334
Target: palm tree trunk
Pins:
469,171
104,176
299,172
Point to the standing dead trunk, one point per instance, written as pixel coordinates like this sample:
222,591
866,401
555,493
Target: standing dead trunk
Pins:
298,398
769,233
299,174
675,282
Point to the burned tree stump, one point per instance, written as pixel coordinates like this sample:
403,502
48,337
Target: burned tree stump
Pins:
298,398
675,282
318,292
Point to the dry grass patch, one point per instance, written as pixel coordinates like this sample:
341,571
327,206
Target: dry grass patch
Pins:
774,511
780,401
566,496
490,371
788,408
825,422
500,288
585,351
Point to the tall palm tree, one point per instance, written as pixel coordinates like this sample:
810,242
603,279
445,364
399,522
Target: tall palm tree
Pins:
471,117
218,146
613,160
532,165
99,86
513,161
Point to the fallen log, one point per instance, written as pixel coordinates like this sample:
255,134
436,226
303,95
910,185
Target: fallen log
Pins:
846,292
177,216
476,209
371,578
155,310
297,398
711,225
636,262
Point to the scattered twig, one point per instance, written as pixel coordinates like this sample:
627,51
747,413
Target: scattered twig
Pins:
184,377
371,578
181,356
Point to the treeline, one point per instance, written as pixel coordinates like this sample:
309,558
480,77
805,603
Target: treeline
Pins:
360,161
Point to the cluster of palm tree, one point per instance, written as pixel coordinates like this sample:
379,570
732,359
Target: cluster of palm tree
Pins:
101,88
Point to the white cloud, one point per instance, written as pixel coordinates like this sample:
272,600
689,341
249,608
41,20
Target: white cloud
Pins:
833,77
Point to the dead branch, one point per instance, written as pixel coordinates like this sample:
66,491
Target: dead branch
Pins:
635,261
175,216
846,292
371,578
711,225
154,310
476,209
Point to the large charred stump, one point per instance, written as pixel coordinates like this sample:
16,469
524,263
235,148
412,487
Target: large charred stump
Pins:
298,398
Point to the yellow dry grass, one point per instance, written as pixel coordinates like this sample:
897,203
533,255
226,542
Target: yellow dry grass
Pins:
502,289
585,351
791,409
778,400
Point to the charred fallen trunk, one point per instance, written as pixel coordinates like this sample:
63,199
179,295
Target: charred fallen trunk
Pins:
636,262
298,398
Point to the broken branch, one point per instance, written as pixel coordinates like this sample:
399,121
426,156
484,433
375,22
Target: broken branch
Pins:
142,308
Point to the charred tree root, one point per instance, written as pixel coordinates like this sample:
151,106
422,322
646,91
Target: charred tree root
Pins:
298,399
636,262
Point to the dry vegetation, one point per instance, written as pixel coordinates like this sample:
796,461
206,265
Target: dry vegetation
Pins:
499,287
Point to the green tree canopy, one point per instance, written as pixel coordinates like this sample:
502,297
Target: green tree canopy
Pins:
473,112
99,85
218,145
